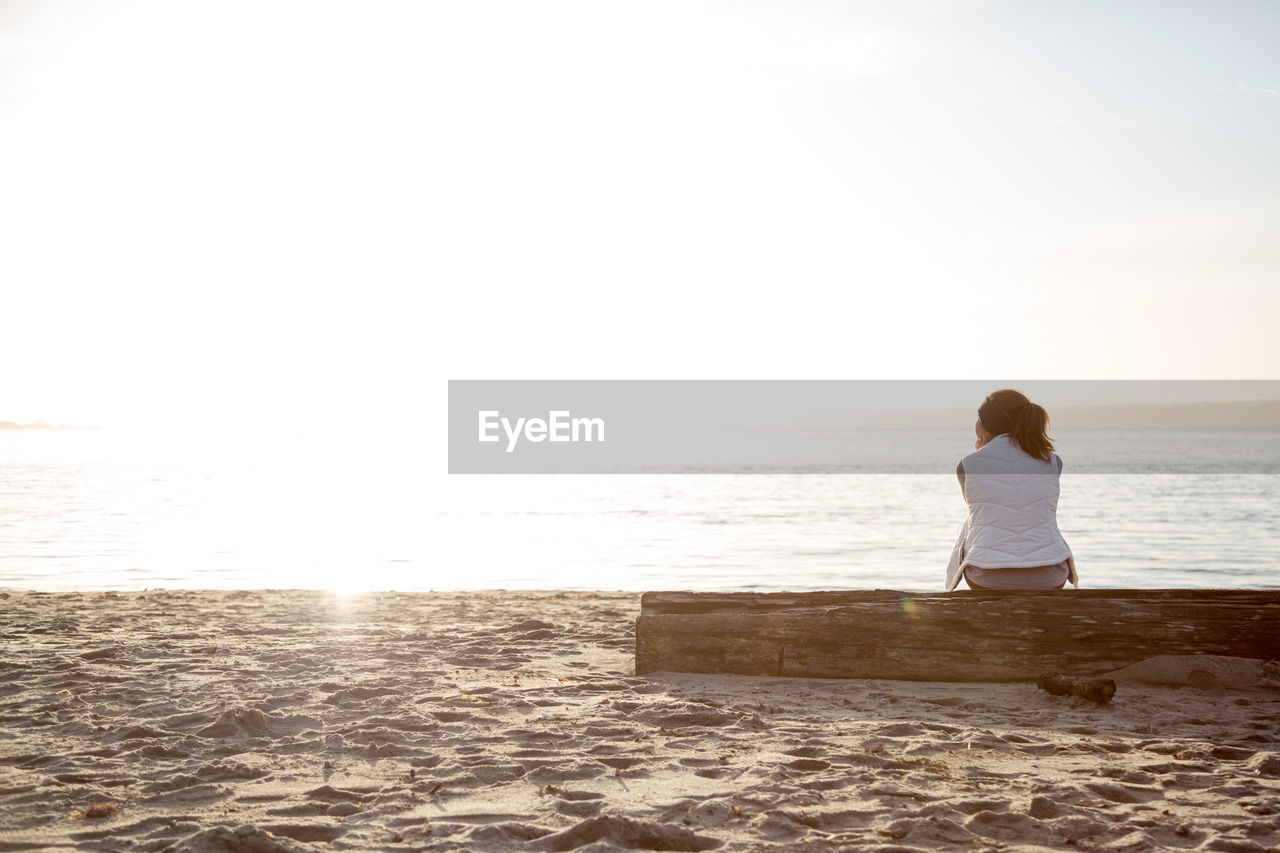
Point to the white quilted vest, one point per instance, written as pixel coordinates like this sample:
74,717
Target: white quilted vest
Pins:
1013,503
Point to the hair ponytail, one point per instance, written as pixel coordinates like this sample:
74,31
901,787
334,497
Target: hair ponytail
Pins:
1009,411
1030,431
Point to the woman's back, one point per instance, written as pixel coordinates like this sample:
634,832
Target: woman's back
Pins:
1010,539
1013,503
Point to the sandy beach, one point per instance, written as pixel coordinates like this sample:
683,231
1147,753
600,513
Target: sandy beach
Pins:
288,721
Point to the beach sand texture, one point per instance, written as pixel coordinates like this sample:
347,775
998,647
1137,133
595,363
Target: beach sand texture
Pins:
289,721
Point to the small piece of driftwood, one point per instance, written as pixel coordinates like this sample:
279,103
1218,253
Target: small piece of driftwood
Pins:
1098,690
957,636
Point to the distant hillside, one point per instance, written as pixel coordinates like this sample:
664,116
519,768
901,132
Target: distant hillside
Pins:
12,425
1144,416
1265,413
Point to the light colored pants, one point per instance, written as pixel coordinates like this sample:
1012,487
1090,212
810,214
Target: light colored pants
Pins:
1035,577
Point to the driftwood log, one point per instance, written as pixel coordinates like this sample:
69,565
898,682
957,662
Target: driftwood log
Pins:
957,636
1098,690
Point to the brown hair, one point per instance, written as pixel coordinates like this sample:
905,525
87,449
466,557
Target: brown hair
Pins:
1009,411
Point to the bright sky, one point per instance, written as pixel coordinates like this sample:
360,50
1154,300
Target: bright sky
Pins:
291,212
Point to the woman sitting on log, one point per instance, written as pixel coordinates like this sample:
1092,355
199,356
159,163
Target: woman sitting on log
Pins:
1010,539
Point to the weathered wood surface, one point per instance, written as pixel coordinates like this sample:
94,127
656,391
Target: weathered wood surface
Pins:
1099,690
956,636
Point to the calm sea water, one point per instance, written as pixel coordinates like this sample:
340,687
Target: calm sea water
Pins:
94,510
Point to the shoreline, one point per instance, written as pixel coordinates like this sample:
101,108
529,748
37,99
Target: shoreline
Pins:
288,720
